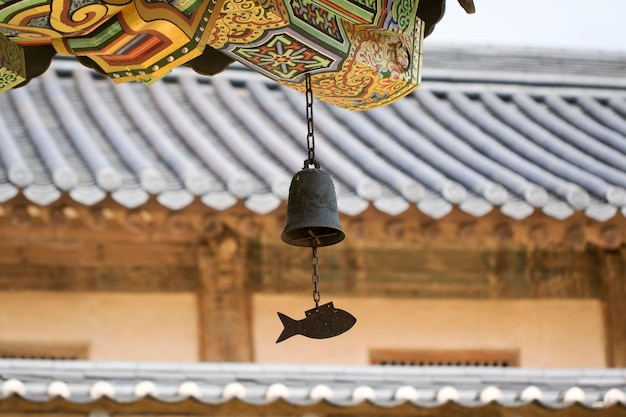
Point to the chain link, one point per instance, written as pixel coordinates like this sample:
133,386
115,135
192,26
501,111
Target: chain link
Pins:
316,277
310,143
310,138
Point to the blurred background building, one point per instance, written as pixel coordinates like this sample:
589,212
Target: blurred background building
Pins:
485,217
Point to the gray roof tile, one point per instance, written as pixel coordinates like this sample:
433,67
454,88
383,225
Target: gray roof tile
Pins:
490,129
256,384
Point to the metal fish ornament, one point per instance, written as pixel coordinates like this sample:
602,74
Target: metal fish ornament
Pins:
320,323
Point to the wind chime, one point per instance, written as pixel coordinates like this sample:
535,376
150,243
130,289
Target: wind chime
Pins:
313,221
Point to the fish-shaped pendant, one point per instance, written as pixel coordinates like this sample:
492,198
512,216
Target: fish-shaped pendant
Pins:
320,323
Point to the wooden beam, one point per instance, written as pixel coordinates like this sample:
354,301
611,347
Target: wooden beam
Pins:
224,301
111,278
613,270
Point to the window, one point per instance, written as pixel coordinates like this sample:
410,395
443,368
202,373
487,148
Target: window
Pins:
480,357
33,350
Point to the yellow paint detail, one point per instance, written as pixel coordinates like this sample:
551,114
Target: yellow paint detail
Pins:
66,22
61,48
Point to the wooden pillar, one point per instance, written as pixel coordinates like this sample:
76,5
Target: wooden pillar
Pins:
614,286
224,301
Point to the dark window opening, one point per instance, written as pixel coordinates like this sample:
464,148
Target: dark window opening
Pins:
33,350
477,357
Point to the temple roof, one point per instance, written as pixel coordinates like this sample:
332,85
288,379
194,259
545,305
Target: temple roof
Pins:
302,386
515,130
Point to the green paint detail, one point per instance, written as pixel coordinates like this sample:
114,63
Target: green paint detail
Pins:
286,75
367,4
11,9
404,13
9,79
284,57
247,53
190,7
320,62
312,32
348,10
280,38
12,64
97,40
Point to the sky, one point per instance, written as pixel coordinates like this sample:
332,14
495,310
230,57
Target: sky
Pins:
568,24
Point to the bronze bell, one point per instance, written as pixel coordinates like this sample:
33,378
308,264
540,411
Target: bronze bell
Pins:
312,214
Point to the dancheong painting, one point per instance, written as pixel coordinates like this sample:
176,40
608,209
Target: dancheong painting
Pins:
360,53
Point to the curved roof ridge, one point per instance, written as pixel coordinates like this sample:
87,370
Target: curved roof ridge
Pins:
545,66
487,145
284,150
373,165
243,184
369,185
550,142
410,184
147,173
566,131
17,170
516,79
101,168
186,170
431,143
425,172
221,167
457,177
531,151
330,158
442,139
277,177
588,125
602,113
61,172
618,105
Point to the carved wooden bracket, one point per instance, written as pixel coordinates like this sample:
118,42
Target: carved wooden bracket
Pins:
224,300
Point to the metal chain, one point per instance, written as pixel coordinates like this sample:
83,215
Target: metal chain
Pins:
316,278
310,143
310,138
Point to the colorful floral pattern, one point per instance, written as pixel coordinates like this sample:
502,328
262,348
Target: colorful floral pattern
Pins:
361,53
283,57
11,64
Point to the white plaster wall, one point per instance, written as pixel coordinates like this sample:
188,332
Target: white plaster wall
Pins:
134,327
549,333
